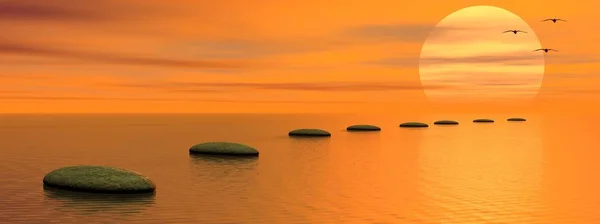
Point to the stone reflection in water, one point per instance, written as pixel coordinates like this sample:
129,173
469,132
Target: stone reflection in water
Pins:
223,167
218,182
90,204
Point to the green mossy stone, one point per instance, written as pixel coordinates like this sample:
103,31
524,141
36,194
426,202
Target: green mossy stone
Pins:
414,125
516,119
446,122
308,132
483,120
363,127
223,148
98,179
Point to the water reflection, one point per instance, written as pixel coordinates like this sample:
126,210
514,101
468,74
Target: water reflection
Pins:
302,144
221,183
469,173
205,159
365,142
216,171
82,203
482,173
360,178
570,165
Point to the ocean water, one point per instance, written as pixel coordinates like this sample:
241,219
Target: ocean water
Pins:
544,170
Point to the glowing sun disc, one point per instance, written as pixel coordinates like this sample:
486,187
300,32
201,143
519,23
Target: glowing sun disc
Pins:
468,57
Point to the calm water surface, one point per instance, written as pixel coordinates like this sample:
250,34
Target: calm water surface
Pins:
540,171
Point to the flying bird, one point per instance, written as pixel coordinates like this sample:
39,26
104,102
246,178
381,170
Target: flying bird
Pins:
546,49
554,20
514,31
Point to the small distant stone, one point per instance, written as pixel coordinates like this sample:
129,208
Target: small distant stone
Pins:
483,121
445,122
363,127
98,179
414,125
308,132
223,148
516,119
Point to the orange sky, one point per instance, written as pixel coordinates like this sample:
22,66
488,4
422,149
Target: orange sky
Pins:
153,56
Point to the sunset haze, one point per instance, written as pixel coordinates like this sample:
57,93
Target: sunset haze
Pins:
275,56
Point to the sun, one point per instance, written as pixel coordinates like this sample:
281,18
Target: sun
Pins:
469,57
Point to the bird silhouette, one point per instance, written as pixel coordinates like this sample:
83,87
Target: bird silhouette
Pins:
546,49
554,20
514,31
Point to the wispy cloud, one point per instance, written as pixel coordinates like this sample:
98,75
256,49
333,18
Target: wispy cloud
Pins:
517,58
344,38
497,80
224,48
45,10
395,32
491,78
11,91
417,32
571,59
250,48
73,11
330,86
403,62
508,59
40,51
207,100
570,91
572,75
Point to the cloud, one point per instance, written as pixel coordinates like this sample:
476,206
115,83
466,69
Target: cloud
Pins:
344,38
10,91
516,58
521,82
564,91
493,81
208,100
508,59
526,59
41,10
566,59
73,11
239,48
403,62
469,78
411,32
573,75
32,50
324,86
396,32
